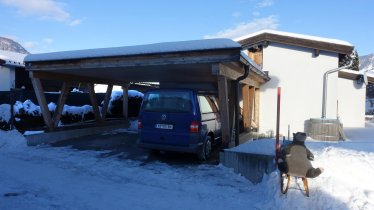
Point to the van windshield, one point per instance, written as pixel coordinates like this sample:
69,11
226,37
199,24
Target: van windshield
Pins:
168,101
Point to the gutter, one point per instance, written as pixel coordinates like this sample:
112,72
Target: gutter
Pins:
325,80
237,106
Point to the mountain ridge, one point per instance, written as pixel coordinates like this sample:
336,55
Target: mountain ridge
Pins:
7,44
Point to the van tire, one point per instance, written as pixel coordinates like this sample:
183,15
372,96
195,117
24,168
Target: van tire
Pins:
206,151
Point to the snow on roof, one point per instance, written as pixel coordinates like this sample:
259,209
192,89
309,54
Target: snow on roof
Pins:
167,47
12,58
300,36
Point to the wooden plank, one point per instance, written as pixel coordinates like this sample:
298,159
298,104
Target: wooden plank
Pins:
246,108
106,101
256,57
38,89
224,109
95,107
257,107
125,89
60,104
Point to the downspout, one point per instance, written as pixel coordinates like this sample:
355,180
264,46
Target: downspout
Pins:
325,80
237,106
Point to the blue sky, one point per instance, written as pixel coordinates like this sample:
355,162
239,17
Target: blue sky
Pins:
49,25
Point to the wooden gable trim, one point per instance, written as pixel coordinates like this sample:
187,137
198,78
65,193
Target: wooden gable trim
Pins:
352,76
313,44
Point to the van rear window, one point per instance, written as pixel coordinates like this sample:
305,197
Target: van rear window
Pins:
167,101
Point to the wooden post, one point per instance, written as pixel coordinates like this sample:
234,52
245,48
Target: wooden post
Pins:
125,89
257,108
251,104
106,101
95,107
246,108
60,104
38,89
224,110
231,106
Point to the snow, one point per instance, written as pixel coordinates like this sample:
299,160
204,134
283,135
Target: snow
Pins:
295,35
63,178
29,133
261,147
158,48
12,58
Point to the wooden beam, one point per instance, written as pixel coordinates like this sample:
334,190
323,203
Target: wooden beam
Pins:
192,57
231,72
60,104
106,101
224,109
38,89
95,107
125,89
74,78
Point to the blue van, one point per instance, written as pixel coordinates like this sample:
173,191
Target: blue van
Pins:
179,120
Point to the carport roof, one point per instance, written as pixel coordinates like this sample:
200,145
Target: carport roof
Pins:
158,48
185,61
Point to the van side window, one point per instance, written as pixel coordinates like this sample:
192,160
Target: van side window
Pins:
205,104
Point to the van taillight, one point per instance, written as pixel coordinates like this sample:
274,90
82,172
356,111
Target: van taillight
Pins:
139,124
194,127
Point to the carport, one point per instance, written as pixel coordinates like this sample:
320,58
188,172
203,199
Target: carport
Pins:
211,65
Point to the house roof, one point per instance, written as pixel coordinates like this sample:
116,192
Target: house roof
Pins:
9,58
314,42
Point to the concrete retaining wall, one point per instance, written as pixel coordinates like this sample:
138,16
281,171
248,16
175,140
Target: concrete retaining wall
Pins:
251,166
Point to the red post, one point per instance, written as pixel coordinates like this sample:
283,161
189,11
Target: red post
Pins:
277,146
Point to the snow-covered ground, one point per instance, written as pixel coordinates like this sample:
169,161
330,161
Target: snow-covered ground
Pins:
63,178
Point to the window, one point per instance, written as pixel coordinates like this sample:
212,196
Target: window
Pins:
167,101
205,104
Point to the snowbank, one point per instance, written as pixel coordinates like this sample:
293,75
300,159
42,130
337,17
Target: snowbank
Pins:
12,140
5,112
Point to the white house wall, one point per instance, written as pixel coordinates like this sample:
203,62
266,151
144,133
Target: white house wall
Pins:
351,103
7,76
300,75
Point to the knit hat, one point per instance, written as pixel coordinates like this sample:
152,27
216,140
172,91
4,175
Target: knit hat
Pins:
299,136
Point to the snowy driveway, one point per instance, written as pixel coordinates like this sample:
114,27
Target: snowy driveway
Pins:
65,178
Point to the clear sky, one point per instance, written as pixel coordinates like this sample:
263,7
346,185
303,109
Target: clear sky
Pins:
49,25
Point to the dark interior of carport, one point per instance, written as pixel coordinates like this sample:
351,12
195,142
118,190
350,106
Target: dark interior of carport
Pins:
204,65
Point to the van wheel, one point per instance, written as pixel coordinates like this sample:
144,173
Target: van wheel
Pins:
207,149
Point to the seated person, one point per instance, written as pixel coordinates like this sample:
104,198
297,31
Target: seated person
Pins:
295,159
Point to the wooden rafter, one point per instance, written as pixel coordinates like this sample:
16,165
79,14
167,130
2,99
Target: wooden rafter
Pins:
37,85
61,102
95,107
